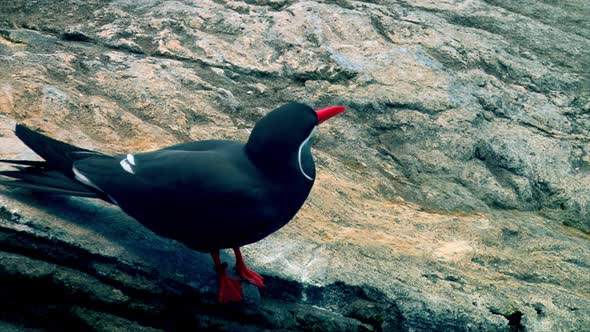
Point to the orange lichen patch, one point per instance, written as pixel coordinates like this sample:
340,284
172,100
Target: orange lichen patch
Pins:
11,96
174,46
453,250
6,99
7,42
341,210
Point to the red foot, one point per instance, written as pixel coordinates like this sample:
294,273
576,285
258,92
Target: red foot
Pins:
247,274
250,276
230,290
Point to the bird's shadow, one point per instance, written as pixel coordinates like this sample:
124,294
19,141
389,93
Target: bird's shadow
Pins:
105,229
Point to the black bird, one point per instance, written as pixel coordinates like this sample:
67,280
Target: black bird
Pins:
209,195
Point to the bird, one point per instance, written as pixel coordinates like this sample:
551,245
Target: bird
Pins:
209,195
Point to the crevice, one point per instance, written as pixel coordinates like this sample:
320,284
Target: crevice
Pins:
473,22
504,73
538,129
535,278
380,29
384,151
75,36
66,255
538,19
125,48
335,76
514,320
503,173
499,69
344,4
5,34
578,262
56,290
408,5
411,106
276,6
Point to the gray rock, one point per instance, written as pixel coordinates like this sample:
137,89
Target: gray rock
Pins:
453,194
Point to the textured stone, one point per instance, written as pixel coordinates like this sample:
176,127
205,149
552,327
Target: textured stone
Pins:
452,195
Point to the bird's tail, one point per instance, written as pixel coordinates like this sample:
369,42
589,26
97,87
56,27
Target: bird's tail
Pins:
54,174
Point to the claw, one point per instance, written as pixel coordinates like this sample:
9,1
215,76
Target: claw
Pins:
245,273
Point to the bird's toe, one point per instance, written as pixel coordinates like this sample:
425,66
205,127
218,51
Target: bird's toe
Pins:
230,290
251,276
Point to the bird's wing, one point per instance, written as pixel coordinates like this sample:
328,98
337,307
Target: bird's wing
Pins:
207,145
169,178
201,198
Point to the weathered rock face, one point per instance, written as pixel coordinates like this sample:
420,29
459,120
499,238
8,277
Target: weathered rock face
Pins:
453,195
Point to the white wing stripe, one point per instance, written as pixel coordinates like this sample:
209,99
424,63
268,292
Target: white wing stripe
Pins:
126,166
82,178
131,159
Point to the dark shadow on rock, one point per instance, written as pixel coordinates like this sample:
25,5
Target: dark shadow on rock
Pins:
144,250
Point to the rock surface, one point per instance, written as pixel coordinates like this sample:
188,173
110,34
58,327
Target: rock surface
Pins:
453,195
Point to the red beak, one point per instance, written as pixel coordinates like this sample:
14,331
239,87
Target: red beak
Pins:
326,113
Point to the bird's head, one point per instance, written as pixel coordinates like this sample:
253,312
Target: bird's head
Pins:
282,137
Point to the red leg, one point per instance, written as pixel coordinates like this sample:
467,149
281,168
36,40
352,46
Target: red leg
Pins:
244,272
230,290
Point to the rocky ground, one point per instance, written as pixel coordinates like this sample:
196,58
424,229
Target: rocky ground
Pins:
454,194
